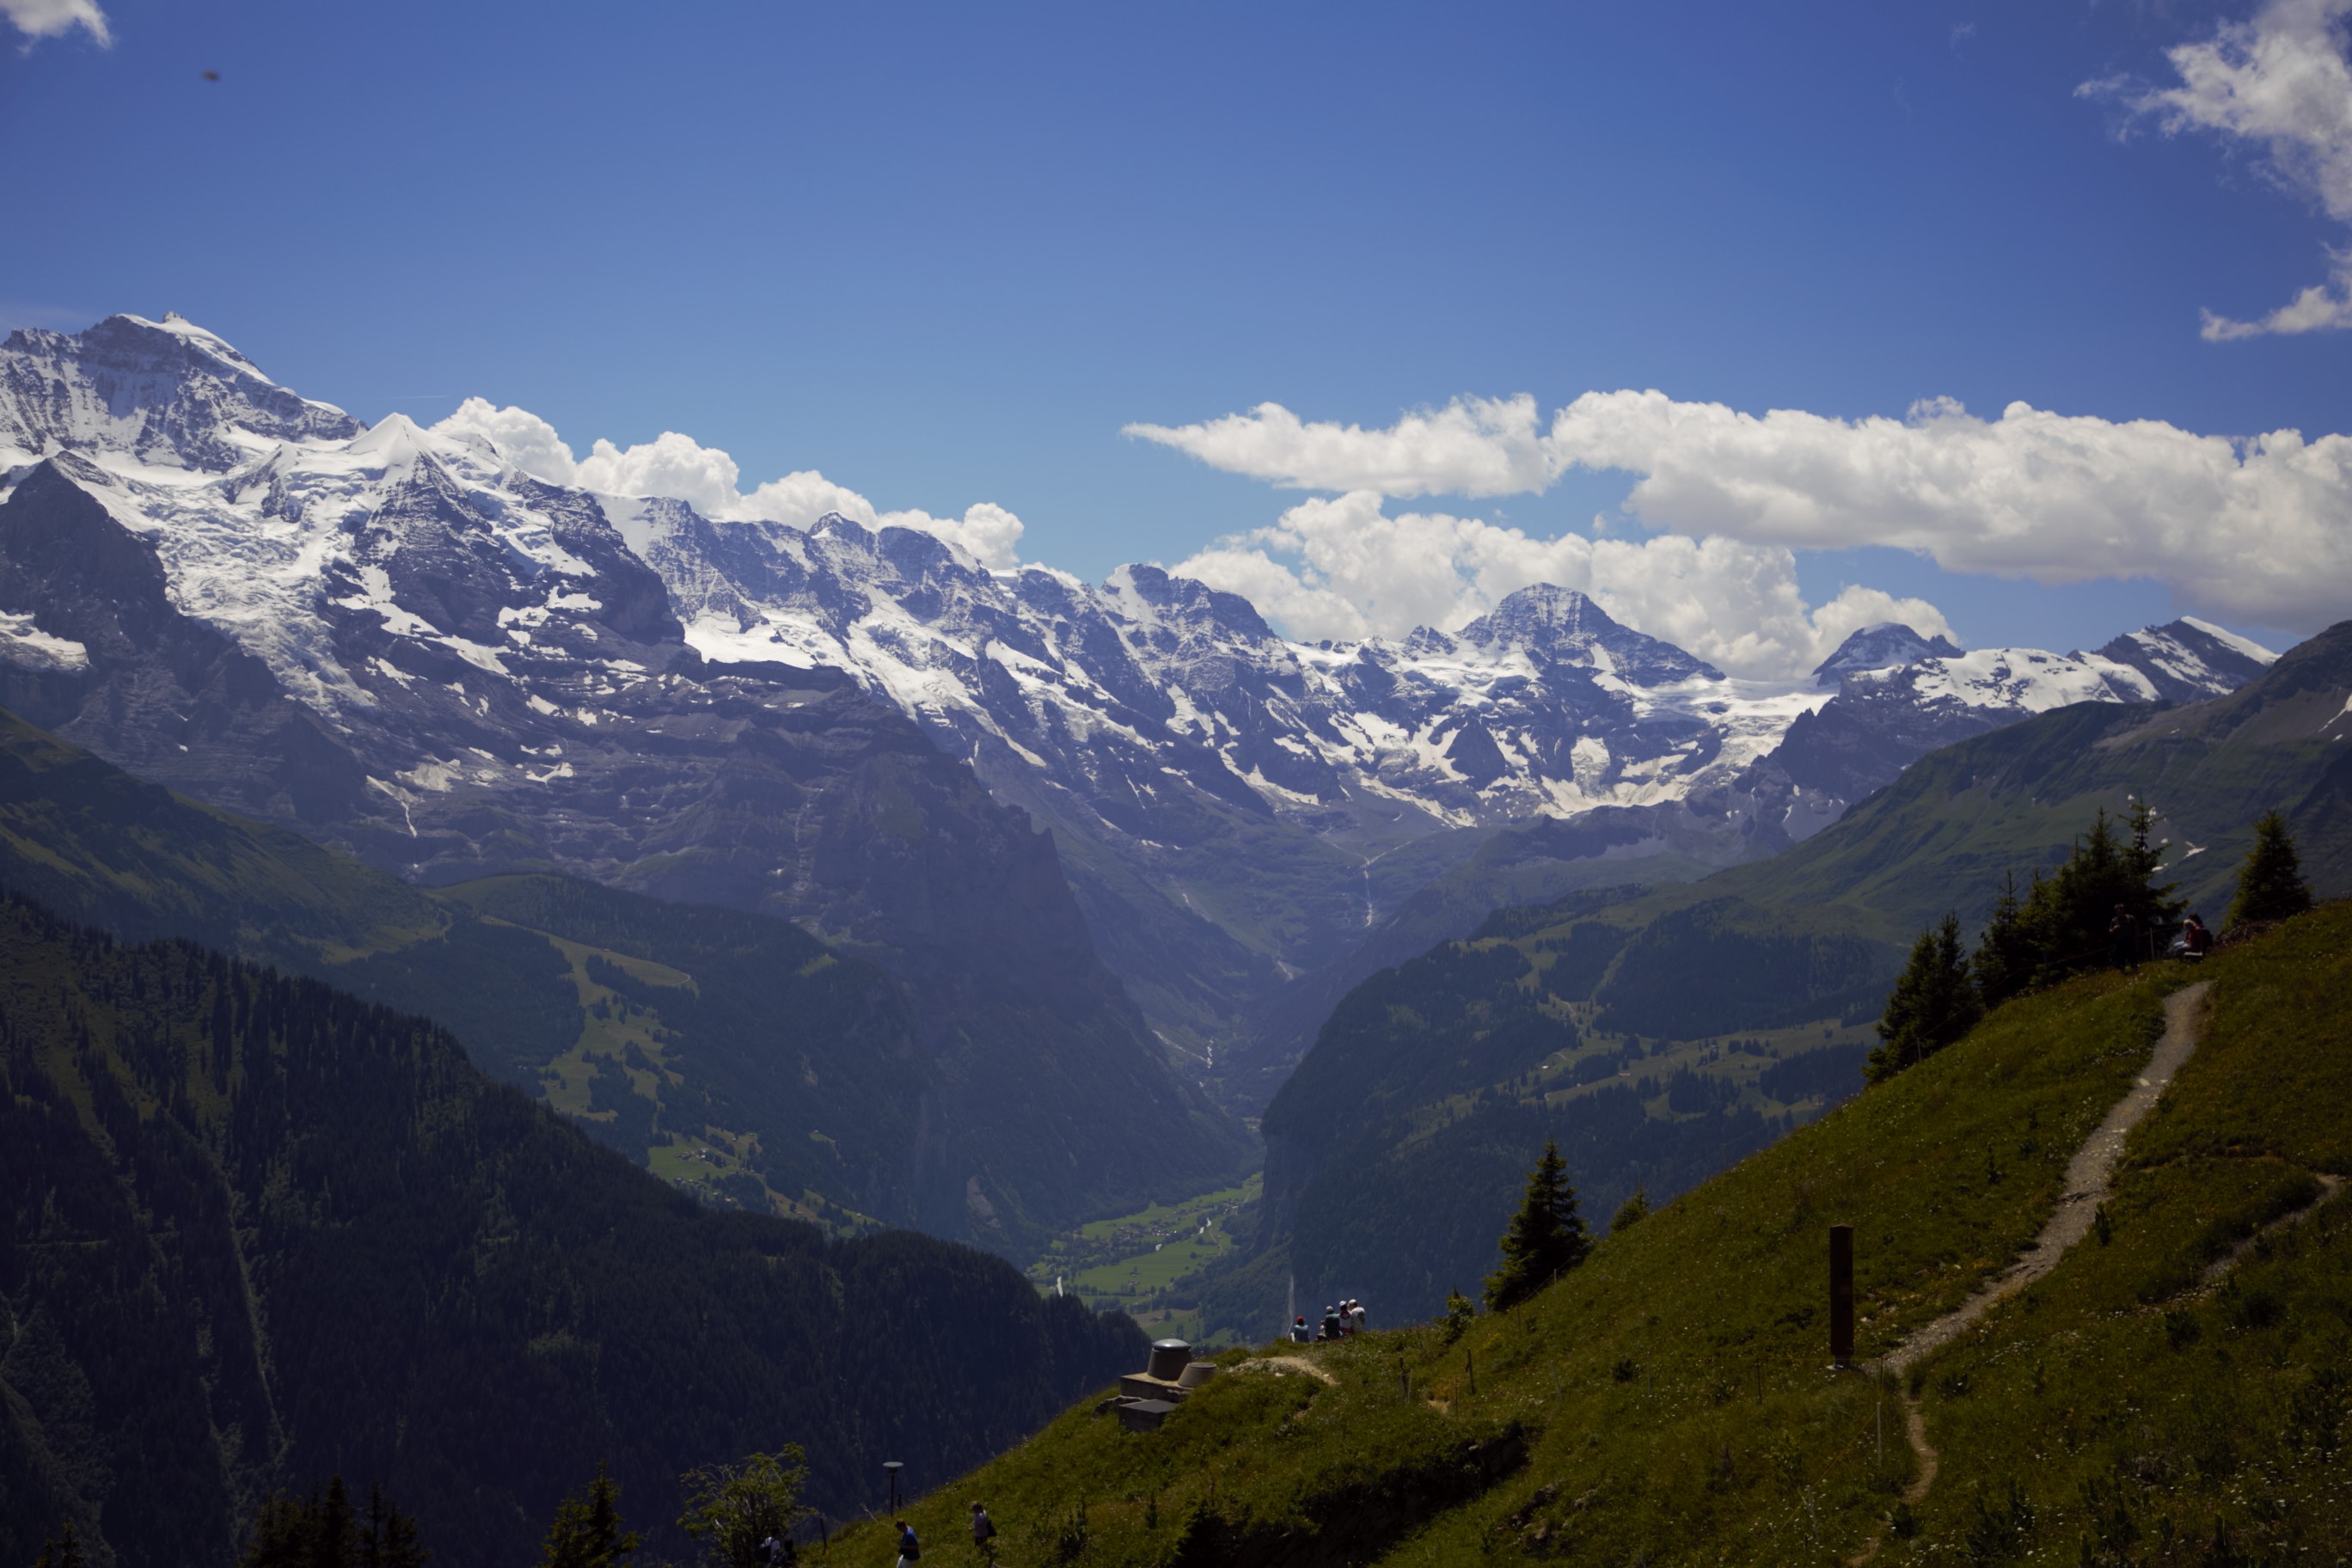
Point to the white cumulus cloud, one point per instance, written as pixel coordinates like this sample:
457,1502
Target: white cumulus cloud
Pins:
681,469
2280,81
1344,567
523,437
1472,447
2256,530
48,18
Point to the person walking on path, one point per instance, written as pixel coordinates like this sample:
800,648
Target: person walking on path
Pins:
910,1551
983,1534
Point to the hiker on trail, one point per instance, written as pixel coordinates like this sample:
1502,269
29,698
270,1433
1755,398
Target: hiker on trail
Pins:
1355,1316
2123,940
910,1551
1330,1324
983,1532
2196,941
777,1551
1299,1332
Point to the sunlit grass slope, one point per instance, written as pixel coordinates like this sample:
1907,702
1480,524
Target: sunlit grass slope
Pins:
1673,1400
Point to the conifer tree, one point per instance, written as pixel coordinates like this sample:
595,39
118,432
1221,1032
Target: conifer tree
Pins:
62,1552
321,1532
2011,948
2270,884
1933,1004
587,1531
390,1541
1546,1238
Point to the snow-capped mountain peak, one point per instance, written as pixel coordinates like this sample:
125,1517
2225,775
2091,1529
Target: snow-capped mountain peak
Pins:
1559,624
164,394
1880,647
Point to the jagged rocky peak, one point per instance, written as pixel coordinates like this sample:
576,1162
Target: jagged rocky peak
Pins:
1560,626
1183,598
1880,647
2189,660
168,394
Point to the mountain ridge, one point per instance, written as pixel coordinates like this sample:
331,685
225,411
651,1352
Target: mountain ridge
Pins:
1230,810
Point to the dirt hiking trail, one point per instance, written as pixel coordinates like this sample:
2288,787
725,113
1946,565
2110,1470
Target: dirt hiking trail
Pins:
2090,1175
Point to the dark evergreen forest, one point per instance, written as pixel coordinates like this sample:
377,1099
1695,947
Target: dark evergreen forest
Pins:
254,1231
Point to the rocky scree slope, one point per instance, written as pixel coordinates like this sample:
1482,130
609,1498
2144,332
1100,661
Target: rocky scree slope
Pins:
407,648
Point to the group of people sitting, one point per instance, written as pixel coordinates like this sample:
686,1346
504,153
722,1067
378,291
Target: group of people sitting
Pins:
2128,942
1340,1323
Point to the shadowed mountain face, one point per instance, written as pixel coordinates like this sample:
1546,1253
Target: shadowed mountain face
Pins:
448,679
254,1231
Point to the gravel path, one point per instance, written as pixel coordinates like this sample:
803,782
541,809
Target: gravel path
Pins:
2090,1175
2089,1178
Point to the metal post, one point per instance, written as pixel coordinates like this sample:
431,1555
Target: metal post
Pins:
1842,1293
892,1468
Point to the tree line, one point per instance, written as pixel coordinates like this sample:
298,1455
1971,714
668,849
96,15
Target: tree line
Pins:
731,1512
2103,907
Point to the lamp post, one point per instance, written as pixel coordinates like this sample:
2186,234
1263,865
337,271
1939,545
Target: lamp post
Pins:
892,1468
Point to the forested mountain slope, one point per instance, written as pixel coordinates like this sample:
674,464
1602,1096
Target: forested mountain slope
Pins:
255,1231
1812,936
734,1049
2172,1391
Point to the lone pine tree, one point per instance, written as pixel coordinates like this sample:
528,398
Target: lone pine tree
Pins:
587,1531
1934,1003
1546,1238
2270,884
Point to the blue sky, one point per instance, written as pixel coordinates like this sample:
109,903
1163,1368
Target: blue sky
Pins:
946,254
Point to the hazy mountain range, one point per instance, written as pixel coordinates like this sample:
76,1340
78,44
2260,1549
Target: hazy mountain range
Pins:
404,642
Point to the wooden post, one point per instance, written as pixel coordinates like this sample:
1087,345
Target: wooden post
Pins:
1842,1293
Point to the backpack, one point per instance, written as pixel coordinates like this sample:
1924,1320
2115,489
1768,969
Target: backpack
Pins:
987,1531
909,1547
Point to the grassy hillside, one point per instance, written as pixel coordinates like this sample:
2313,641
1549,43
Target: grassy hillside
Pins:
1672,1401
